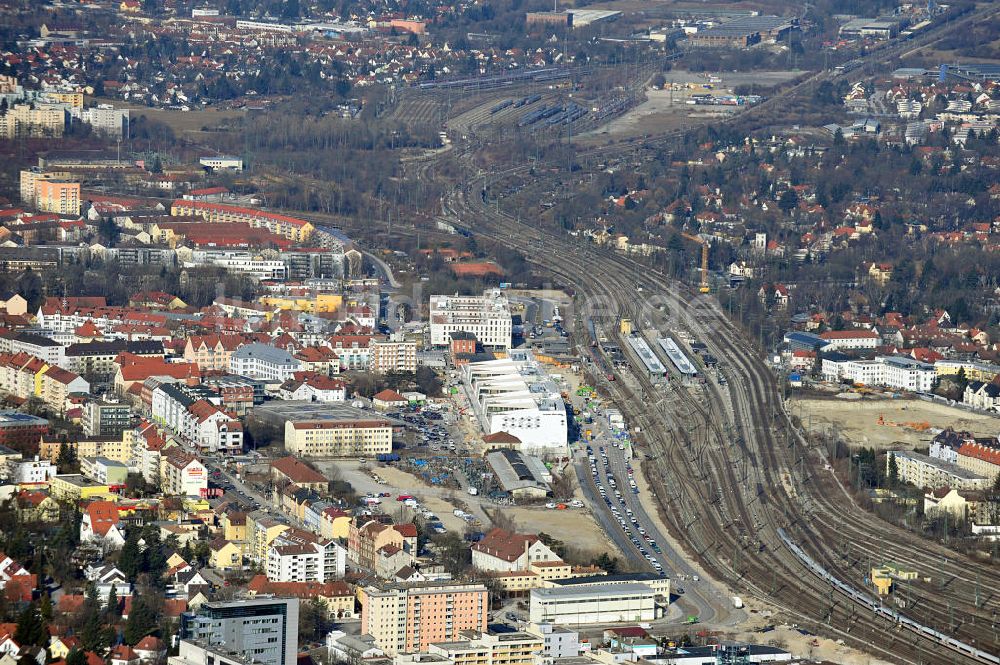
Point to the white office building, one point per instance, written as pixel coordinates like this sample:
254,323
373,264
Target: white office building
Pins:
897,372
486,316
514,395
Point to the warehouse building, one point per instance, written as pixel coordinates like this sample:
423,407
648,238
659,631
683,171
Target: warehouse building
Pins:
593,603
523,476
744,32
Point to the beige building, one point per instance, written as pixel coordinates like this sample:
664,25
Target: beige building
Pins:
40,120
387,356
338,438
411,617
476,648
74,99
979,459
58,196
31,176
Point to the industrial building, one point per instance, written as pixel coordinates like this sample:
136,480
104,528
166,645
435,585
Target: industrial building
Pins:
523,476
653,366
516,396
487,317
581,604
883,27
744,32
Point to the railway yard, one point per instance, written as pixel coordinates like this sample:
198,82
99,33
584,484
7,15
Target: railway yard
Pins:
739,488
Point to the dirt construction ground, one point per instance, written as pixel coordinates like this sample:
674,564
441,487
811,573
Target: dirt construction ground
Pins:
575,527
857,420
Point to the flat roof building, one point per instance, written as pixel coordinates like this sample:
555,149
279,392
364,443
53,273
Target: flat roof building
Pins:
487,317
265,629
411,617
579,604
514,395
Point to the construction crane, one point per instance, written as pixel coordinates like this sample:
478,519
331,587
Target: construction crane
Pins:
703,287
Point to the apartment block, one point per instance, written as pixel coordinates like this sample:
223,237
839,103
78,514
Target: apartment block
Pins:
925,471
388,356
338,438
291,228
39,120
411,617
31,176
58,196
514,648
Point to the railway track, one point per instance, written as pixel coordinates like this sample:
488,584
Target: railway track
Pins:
731,473
731,526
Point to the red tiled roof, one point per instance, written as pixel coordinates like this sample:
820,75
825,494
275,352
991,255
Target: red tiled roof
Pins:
297,471
389,395
849,334
504,544
238,210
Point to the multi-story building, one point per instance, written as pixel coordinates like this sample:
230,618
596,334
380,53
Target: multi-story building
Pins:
31,176
514,395
338,438
20,429
261,530
925,471
982,460
366,538
103,470
113,448
106,119
392,356
405,618
487,317
501,550
593,604
182,474
200,652
557,642
896,372
96,360
211,352
265,630
296,230
262,361
298,556
508,648
290,470
41,120
106,419
30,472
61,197
859,339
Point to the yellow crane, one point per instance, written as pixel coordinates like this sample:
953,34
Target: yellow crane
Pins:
703,287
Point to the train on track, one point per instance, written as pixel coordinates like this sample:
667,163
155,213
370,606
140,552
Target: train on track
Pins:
878,608
596,355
